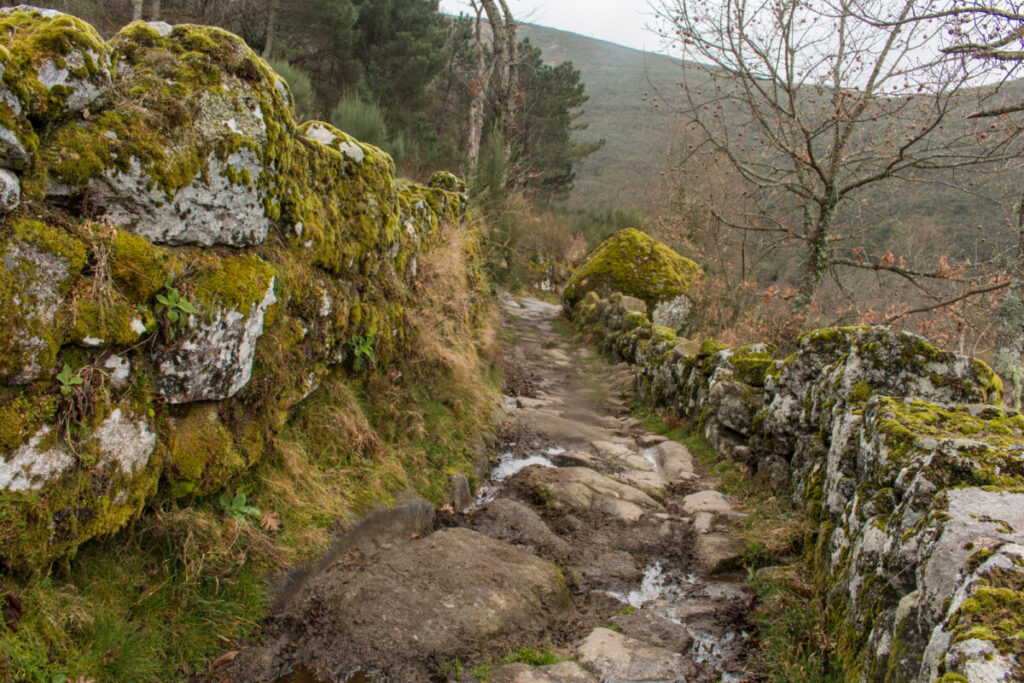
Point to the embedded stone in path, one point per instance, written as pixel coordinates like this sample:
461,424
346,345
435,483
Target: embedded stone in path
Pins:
617,657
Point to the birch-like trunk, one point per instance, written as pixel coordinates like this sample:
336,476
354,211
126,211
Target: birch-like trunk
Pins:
137,10
481,79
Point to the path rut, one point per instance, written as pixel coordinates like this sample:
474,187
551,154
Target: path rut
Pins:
594,539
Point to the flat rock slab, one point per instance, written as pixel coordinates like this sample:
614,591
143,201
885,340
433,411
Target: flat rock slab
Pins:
563,672
581,489
450,594
707,501
674,461
617,657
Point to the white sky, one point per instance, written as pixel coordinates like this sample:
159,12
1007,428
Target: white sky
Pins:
619,21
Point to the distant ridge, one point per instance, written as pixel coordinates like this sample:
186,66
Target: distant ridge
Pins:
638,136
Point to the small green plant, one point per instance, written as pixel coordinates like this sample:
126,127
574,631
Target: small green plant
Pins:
237,507
174,307
362,349
68,380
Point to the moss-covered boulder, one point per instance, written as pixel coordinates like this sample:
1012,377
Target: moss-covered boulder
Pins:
51,65
192,151
640,266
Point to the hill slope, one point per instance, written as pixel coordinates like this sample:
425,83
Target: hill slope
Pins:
634,168
637,135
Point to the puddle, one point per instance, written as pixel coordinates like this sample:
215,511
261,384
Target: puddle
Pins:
509,464
649,454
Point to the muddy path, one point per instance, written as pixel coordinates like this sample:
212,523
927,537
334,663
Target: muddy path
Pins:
594,542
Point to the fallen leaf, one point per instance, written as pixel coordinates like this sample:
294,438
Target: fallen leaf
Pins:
447,507
228,656
270,520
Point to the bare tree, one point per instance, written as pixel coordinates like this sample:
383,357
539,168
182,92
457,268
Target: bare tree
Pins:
812,103
137,10
992,33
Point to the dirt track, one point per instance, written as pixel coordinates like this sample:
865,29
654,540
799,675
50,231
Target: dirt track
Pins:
595,540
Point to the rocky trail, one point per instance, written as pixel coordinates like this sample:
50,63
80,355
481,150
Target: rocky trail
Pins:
594,541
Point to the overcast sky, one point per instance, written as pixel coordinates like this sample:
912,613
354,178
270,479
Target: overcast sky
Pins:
620,21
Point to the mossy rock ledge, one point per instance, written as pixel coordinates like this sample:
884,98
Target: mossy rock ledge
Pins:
196,260
641,267
908,468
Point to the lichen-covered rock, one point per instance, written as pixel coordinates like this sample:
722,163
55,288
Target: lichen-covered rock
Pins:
200,163
38,263
637,265
51,65
214,359
186,142
52,495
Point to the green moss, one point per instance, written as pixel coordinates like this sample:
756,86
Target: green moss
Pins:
201,455
861,393
636,264
232,282
111,323
137,267
21,415
752,363
995,614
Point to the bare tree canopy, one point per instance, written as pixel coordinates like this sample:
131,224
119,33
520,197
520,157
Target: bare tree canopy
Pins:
811,103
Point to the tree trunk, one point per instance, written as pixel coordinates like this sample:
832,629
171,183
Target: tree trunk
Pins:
156,11
137,10
503,29
481,78
268,43
817,260
1009,343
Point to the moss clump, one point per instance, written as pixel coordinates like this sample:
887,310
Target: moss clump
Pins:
635,264
232,282
117,323
861,393
22,414
137,267
342,214
201,454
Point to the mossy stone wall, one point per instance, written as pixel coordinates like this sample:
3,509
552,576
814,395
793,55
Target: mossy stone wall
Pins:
908,467
196,260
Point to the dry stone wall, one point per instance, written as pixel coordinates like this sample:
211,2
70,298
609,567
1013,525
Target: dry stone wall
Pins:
180,265
908,467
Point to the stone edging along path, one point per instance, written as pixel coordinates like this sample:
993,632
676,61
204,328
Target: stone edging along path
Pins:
901,456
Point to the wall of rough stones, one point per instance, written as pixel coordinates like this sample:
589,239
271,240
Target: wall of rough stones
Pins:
180,265
901,455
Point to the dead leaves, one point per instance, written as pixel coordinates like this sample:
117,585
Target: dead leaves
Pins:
270,521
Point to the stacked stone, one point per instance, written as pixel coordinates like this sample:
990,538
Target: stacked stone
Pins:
163,172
